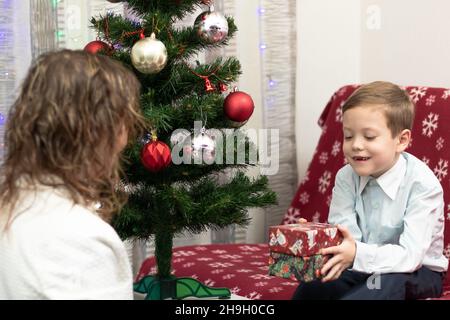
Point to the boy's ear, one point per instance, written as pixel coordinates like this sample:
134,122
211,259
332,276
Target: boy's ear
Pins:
404,138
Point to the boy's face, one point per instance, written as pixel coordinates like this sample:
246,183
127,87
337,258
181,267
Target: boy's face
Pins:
368,144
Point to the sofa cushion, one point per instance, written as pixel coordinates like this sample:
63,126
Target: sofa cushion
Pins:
243,268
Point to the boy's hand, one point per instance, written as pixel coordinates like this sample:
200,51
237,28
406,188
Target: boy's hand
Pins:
343,256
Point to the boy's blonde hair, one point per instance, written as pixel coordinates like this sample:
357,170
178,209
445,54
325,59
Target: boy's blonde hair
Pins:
63,129
397,105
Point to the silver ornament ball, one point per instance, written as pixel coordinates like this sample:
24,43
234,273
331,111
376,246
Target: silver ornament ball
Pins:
202,149
149,55
211,26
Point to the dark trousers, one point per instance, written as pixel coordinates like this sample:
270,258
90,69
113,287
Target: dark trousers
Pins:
352,285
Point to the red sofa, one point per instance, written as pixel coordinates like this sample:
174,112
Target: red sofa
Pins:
244,267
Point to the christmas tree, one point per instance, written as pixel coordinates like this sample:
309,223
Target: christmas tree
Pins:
173,172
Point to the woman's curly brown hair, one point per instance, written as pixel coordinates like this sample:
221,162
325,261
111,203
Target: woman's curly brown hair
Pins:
63,129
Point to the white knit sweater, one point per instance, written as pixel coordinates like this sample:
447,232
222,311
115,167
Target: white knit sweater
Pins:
58,250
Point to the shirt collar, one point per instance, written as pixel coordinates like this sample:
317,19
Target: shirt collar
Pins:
389,181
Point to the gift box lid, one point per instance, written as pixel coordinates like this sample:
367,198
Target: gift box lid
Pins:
303,239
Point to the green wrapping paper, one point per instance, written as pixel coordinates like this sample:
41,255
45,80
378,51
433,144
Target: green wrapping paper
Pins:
302,269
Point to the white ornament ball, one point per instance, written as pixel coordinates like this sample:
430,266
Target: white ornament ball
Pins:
149,55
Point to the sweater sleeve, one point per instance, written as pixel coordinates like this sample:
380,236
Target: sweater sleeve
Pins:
86,260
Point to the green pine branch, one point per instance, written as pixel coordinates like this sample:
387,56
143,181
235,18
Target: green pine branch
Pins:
193,207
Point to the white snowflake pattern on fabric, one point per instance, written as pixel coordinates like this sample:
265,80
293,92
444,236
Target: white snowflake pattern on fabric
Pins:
324,130
289,284
430,100
260,276
446,94
210,282
440,143
261,284
323,158
217,271
249,248
291,216
257,263
276,289
231,256
178,260
418,93
218,251
336,148
244,270
204,259
264,268
188,265
324,181
254,295
201,248
440,170
304,198
447,251
228,276
221,265
426,161
237,261
339,113
329,200
194,276
183,253
430,124
235,290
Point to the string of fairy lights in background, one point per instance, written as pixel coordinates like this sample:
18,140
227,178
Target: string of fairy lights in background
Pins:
7,73
277,46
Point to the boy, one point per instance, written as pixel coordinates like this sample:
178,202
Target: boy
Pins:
388,205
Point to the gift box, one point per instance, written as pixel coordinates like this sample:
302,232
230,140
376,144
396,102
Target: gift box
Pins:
294,249
303,269
305,239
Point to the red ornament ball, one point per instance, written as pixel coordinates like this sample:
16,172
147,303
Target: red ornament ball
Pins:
155,156
96,46
238,106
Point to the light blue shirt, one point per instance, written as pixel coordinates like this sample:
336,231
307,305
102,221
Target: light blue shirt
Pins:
397,219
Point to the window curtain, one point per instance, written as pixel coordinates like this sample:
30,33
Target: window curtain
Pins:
15,54
278,68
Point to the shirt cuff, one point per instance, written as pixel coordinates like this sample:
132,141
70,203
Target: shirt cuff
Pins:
364,257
